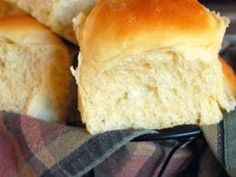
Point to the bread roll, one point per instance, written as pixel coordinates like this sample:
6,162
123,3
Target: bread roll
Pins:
151,64
34,70
56,14
7,8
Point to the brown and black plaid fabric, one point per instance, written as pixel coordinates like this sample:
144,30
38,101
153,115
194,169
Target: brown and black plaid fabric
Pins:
222,140
32,148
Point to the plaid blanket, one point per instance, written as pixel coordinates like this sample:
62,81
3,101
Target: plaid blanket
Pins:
30,147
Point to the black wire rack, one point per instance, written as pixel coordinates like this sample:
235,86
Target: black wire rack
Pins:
183,136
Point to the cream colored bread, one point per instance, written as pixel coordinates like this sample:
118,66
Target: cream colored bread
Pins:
151,64
56,14
7,8
34,70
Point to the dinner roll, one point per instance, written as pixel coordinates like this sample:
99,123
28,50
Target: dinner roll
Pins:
56,14
34,70
151,64
7,8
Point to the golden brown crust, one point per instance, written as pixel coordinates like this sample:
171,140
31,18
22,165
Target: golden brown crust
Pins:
56,14
21,27
131,26
18,21
8,8
185,15
229,74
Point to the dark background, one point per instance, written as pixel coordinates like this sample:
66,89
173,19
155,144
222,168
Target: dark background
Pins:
217,1
226,8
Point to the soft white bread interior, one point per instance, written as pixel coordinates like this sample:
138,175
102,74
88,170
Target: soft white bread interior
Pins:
56,14
34,70
8,8
151,64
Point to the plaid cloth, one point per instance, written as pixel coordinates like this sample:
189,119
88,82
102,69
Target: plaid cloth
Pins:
30,148
222,140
